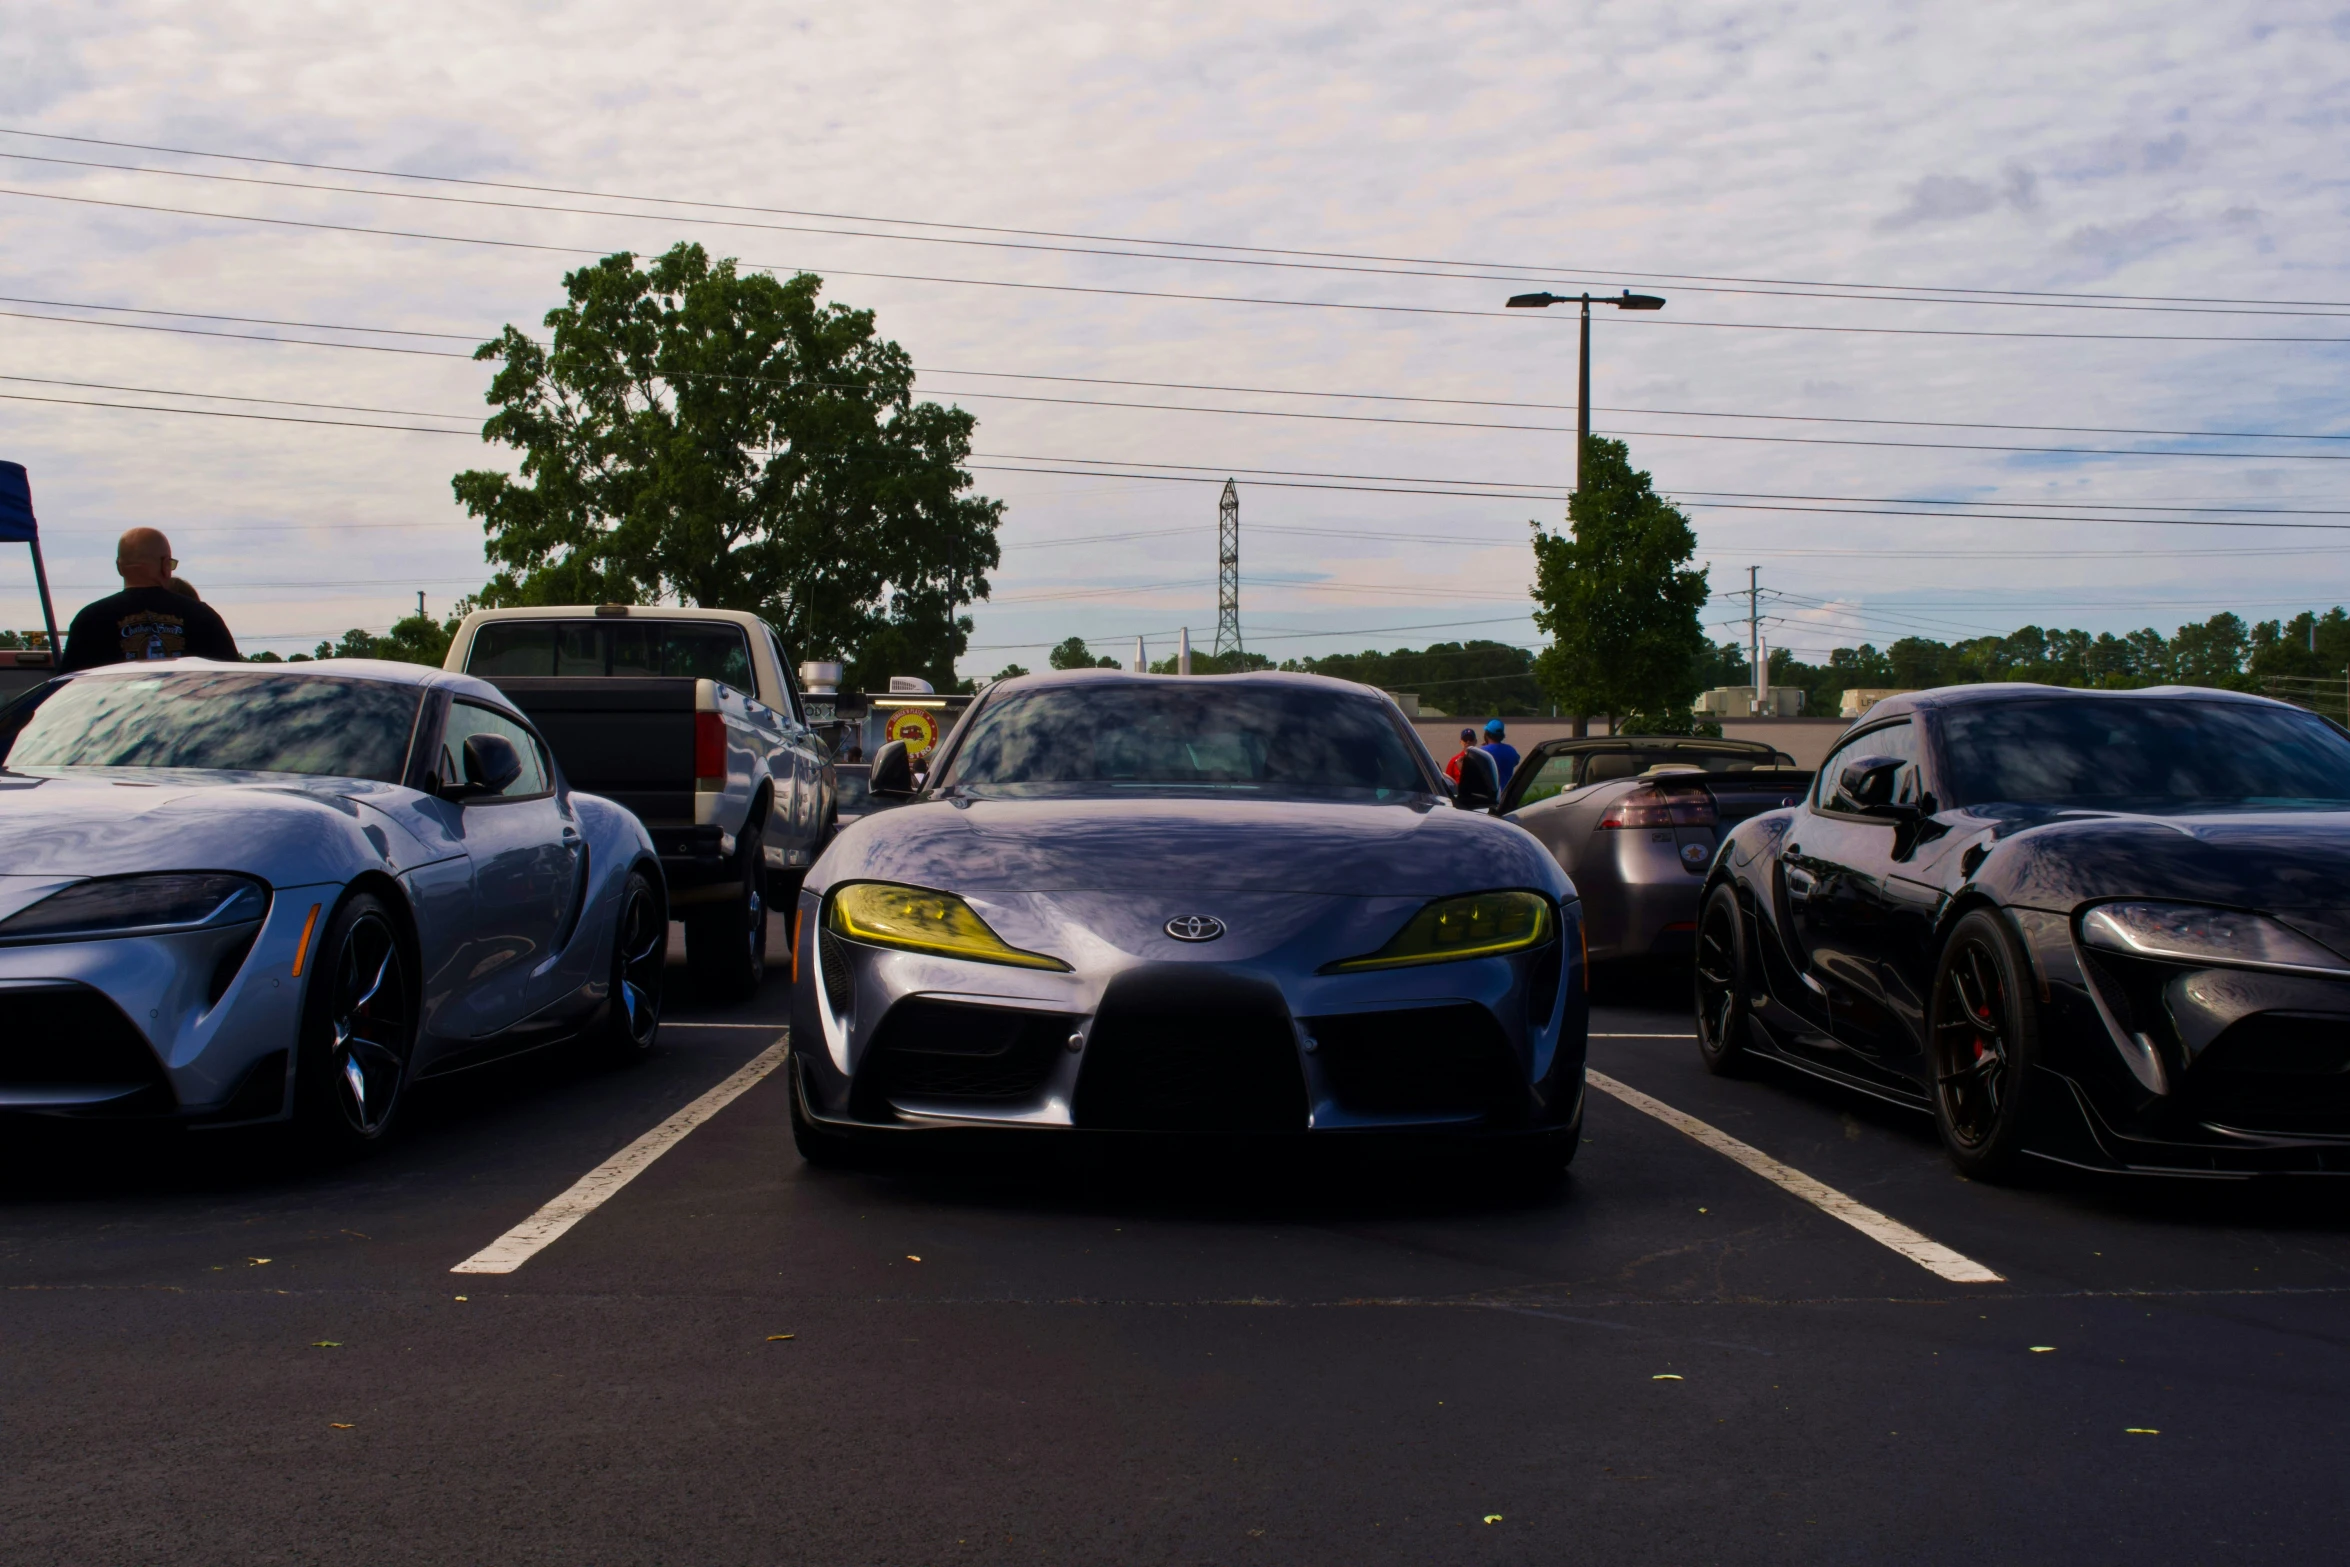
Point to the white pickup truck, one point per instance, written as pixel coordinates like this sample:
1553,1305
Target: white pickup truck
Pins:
689,718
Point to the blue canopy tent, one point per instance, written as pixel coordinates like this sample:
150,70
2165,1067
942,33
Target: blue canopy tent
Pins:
18,527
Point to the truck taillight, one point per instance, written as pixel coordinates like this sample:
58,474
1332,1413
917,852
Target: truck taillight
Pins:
709,751
1649,806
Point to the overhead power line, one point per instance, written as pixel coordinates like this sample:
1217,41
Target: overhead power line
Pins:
1383,419
1350,488
1551,268
1649,321
1253,391
1875,294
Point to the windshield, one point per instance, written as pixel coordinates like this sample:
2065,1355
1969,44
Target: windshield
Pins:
276,723
1211,737
2125,753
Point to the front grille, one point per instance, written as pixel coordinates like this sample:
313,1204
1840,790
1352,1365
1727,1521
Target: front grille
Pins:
1191,1052
1452,1060
2276,1071
72,1038
936,1050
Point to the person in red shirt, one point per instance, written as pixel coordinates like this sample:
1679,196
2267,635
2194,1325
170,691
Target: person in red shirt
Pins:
1452,769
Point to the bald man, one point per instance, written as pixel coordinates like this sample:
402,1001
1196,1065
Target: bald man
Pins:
146,620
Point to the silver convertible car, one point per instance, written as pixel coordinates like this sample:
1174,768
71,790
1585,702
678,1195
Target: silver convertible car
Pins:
233,894
1229,904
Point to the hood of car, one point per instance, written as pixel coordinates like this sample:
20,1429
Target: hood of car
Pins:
2283,860
1160,845
114,822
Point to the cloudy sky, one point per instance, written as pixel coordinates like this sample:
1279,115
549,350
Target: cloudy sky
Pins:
1842,204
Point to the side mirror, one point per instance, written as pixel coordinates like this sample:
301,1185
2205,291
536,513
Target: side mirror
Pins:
1480,785
1870,786
491,763
892,777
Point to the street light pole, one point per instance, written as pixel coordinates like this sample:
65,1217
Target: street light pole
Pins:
1583,396
1627,300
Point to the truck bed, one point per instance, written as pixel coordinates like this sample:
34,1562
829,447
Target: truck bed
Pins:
629,739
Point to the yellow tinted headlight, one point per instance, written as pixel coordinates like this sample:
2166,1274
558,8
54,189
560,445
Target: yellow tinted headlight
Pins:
918,920
1481,925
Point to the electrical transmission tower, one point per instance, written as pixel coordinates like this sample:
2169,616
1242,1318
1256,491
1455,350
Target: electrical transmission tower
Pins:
1228,572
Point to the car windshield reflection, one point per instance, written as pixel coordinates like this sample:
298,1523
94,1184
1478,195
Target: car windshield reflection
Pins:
219,721
1121,737
2129,754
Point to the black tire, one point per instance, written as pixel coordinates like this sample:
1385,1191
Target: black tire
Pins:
358,1030
1983,1042
1725,982
726,943
640,961
817,1146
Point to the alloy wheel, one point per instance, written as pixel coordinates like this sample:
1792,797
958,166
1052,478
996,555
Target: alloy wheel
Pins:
367,1058
1973,1051
1718,978
641,950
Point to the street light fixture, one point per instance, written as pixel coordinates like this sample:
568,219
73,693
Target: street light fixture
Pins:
1624,301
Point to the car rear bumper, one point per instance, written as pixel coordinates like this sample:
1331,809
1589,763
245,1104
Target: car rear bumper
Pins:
1641,890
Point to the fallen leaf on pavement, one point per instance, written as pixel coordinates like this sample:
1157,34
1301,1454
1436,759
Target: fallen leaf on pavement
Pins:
910,1257
1667,1376
1493,1517
781,1338
338,1425
255,1262
326,1343
2043,1349
2140,1431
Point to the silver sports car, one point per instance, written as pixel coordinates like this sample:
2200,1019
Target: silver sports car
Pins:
1236,903
234,894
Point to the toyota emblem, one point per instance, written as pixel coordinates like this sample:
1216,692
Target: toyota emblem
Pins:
1195,927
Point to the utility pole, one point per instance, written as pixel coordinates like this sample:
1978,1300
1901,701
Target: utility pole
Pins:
1754,637
420,615
1227,573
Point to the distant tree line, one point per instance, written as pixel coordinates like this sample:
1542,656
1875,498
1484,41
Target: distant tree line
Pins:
1485,678
2303,659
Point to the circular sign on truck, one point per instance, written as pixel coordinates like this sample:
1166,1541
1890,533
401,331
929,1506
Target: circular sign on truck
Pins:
914,725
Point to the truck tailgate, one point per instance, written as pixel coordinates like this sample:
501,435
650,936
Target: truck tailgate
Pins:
628,739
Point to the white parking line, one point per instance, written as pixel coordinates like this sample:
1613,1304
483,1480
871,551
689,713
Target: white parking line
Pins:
1643,1036
534,1234
1932,1256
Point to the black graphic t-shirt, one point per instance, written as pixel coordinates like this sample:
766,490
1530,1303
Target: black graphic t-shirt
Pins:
143,623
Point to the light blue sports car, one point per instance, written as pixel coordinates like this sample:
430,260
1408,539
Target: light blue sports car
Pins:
233,894
1230,904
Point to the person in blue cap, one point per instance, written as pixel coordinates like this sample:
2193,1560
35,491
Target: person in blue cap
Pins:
1504,754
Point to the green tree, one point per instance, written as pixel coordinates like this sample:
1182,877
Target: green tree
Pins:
696,433
1616,597
1074,654
1011,672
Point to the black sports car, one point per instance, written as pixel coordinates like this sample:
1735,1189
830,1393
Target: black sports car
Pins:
2101,928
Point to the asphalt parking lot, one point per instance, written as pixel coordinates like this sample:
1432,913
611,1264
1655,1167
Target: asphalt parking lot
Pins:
1185,1356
